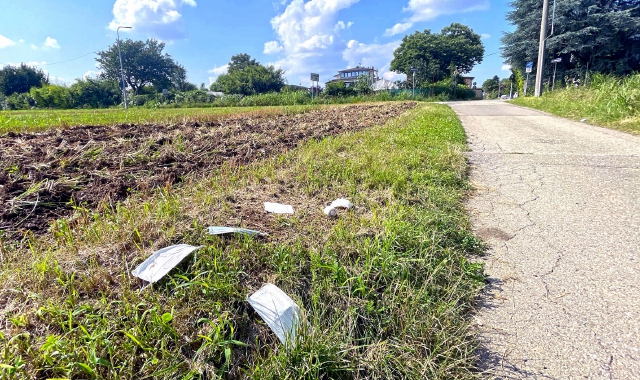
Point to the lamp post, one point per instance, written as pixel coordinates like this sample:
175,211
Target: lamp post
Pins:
124,90
413,70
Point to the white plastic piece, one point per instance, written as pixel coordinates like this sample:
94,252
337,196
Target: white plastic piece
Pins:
331,211
278,310
278,208
232,230
161,262
338,203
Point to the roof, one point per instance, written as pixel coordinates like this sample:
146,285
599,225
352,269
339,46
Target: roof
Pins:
357,68
384,84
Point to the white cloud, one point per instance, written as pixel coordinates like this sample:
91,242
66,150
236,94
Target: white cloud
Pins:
33,47
36,63
161,18
278,4
485,36
308,32
340,25
30,63
21,41
378,56
51,43
426,10
272,47
506,67
5,42
91,74
218,71
397,29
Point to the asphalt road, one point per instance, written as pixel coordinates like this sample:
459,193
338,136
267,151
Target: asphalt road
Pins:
558,203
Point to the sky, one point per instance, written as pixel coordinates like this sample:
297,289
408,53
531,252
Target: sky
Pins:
298,36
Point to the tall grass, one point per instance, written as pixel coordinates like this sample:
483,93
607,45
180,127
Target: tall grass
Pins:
385,289
608,101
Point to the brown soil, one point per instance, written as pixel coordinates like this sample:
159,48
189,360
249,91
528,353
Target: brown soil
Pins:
44,175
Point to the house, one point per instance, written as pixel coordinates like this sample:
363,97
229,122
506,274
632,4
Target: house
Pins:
350,76
468,81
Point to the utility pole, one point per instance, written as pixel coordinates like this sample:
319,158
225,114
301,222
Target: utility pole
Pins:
124,86
541,47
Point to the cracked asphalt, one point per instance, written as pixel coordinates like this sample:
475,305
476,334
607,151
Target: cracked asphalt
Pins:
558,204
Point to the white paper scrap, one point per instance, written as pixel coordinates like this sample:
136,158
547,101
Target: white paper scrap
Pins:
338,203
232,230
162,261
278,310
278,208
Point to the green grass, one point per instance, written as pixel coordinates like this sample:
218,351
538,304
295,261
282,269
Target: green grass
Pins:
608,101
41,120
385,288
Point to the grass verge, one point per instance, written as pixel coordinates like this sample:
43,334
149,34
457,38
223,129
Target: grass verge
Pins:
608,101
385,288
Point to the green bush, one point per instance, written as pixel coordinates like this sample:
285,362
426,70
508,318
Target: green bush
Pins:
92,93
18,101
52,96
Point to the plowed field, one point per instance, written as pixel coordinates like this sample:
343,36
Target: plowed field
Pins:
44,175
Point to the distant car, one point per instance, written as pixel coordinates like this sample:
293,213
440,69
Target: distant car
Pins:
504,97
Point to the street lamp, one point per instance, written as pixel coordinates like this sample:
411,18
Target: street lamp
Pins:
413,69
124,90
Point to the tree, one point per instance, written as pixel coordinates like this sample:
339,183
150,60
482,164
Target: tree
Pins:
143,63
433,54
338,88
179,79
20,79
240,62
363,84
602,34
95,93
490,87
247,77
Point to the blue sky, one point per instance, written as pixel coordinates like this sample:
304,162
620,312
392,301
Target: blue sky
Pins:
299,36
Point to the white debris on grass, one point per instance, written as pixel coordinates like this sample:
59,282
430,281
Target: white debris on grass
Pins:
233,230
278,208
278,310
338,203
162,261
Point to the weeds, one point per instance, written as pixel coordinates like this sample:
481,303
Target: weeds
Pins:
385,288
608,101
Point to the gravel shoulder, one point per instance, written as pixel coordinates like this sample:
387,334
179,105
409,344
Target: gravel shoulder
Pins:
557,203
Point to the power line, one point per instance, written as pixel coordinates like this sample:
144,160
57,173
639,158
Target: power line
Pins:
72,59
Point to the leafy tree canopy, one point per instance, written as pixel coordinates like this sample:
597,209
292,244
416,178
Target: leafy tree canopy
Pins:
491,85
143,63
20,79
240,62
433,53
247,77
601,33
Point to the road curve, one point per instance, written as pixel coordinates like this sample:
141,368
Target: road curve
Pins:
558,204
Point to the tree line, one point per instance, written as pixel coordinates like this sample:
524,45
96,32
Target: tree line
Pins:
588,36
148,71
